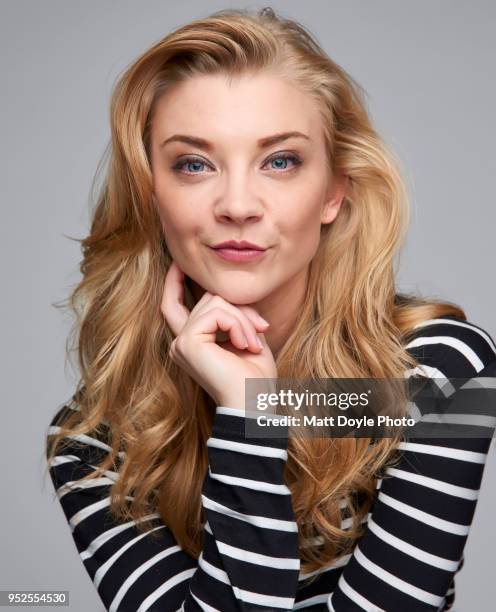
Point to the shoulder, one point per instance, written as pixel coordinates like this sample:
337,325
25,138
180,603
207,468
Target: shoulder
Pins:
451,346
91,447
61,413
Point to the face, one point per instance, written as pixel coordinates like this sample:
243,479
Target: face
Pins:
244,160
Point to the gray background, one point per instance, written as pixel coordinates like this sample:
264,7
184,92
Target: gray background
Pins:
428,67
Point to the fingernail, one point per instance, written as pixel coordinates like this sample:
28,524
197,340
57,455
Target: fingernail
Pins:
259,342
264,322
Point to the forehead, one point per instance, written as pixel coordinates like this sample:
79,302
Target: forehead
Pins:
249,105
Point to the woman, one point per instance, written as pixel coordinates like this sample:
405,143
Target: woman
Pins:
238,127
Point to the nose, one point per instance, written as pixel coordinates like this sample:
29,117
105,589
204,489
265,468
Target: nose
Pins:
238,202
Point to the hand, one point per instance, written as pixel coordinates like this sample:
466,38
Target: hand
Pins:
220,369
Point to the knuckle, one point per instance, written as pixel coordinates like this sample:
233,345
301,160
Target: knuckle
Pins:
247,310
219,310
217,300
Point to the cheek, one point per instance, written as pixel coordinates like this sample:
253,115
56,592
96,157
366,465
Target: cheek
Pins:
172,206
177,232
301,218
179,219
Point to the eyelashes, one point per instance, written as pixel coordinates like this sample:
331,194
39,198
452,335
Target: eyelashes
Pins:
193,160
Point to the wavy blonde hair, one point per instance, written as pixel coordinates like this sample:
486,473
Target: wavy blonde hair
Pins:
353,323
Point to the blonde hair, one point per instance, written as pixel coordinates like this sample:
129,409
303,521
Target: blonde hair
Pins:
353,323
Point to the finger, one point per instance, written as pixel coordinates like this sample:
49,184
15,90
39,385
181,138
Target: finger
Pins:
205,298
263,339
209,322
259,322
247,325
172,306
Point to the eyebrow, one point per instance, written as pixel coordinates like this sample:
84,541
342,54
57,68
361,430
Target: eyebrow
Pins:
262,143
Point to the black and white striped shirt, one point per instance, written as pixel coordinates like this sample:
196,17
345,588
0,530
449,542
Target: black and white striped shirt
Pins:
406,560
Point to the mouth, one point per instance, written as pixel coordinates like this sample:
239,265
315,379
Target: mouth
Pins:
239,255
238,245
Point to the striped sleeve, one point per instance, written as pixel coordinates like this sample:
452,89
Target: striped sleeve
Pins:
250,558
424,506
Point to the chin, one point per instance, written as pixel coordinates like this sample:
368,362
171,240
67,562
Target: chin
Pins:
240,296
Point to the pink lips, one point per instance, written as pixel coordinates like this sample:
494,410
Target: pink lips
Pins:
243,251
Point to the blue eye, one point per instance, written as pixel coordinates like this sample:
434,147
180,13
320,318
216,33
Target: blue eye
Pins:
195,164
284,158
192,163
